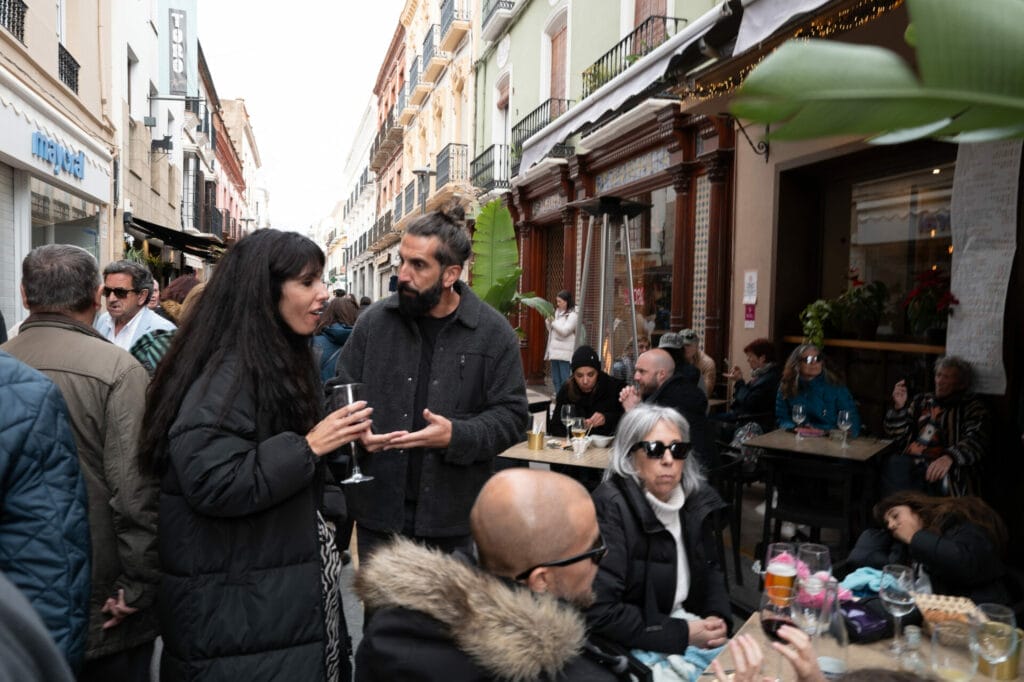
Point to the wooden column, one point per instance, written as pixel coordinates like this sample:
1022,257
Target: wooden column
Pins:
683,183
569,251
531,244
716,321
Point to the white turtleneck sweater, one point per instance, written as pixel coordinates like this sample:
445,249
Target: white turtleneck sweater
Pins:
668,514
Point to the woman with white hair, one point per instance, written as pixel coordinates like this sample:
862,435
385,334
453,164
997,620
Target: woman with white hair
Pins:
660,588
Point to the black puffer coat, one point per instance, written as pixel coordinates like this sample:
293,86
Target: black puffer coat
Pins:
241,595
636,582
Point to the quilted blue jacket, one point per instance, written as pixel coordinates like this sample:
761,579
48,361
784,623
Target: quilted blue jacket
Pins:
44,529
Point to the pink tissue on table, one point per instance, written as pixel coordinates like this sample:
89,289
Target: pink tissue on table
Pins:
803,572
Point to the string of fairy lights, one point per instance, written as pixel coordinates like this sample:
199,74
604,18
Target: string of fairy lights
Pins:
845,20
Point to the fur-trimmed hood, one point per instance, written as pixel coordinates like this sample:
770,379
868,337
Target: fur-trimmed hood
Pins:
509,631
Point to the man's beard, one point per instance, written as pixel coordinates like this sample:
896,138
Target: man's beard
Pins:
412,303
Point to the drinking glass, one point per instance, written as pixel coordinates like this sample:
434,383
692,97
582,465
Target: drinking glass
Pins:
952,658
567,416
799,414
775,611
811,587
579,428
897,598
844,420
816,558
993,632
346,394
780,565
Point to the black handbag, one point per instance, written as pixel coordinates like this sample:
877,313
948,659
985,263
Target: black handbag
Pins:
867,620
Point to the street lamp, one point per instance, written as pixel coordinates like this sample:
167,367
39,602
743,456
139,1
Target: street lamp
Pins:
423,175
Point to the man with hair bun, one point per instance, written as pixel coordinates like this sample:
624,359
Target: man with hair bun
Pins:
443,374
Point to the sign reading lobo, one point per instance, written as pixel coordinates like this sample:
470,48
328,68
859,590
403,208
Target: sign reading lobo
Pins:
60,156
179,79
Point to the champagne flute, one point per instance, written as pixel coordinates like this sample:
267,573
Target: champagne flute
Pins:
775,611
897,598
799,414
346,394
567,416
993,632
844,420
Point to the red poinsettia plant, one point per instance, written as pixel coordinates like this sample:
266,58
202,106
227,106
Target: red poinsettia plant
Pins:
930,303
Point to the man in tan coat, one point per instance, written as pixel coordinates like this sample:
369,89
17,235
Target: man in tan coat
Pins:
105,391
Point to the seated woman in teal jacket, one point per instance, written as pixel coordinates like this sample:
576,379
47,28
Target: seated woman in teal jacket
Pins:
805,381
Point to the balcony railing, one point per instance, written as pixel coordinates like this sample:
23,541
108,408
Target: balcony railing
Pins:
454,15
398,207
12,16
647,36
414,72
490,170
430,44
492,6
452,164
410,197
68,67
535,121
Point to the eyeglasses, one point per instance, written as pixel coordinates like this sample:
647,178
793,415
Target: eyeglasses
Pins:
595,554
118,292
655,449
811,359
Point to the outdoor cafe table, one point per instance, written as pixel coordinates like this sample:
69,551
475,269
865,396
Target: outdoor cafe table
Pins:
822,459
858,657
594,457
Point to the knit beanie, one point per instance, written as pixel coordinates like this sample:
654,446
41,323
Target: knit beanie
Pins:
585,356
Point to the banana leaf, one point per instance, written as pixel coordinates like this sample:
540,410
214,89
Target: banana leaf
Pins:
970,57
495,252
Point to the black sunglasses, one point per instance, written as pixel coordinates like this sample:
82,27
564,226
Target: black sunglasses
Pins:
595,554
119,292
655,449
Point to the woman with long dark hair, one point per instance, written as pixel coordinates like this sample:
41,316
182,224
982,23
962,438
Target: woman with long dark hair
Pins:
234,426
333,331
561,338
960,542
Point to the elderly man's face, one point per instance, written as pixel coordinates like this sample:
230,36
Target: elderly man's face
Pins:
122,308
947,382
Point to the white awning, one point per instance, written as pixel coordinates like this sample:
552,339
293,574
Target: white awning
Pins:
761,19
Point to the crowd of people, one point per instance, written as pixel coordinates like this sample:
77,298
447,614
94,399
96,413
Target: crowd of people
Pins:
174,467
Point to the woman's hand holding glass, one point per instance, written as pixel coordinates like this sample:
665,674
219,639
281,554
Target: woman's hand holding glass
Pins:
340,427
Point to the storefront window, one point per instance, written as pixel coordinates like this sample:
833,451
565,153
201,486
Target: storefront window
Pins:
900,232
59,217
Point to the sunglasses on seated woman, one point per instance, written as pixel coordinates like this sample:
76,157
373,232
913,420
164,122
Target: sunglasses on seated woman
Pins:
655,449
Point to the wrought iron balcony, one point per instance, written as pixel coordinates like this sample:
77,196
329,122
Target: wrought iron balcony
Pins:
452,164
496,15
454,23
434,60
647,36
490,170
410,197
405,109
398,207
535,121
68,67
419,86
12,16
387,141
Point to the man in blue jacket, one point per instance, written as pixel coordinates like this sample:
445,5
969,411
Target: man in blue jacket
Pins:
44,527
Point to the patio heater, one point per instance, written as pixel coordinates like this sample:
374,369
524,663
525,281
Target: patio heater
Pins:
609,213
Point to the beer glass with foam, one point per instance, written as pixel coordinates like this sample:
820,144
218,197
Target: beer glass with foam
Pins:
780,565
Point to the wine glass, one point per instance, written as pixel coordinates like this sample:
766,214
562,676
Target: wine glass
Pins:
952,658
993,632
346,394
799,414
844,420
567,416
775,611
897,598
579,427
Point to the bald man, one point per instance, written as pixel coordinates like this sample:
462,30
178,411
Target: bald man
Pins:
515,616
661,384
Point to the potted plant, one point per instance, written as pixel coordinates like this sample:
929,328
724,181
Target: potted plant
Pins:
929,305
818,319
495,268
862,306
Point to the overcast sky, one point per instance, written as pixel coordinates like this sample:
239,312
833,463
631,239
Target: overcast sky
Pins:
306,70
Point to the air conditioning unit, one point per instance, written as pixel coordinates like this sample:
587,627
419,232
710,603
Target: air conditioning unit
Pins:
149,121
163,145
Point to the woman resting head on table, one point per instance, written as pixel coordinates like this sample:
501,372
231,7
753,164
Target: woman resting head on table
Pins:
748,659
958,541
660,587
